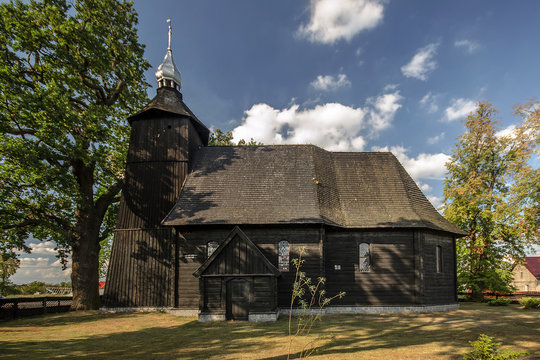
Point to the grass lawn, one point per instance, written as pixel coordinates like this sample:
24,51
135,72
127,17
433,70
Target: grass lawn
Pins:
89,335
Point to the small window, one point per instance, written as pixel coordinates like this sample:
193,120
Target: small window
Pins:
283,256
526,287
211,247
364,258
438,256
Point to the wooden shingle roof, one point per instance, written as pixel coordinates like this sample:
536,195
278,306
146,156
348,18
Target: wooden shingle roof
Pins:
302,184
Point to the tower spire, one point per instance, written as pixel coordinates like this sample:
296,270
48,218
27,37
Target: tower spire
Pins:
167,74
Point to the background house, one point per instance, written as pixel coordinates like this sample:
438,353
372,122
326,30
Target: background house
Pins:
527,276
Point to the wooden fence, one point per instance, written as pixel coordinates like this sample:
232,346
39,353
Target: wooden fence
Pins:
11,308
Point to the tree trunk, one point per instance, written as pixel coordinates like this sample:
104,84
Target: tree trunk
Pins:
85,267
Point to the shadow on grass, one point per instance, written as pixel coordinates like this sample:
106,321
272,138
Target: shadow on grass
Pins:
350,336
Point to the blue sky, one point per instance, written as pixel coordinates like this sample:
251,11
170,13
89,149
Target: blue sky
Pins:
345,75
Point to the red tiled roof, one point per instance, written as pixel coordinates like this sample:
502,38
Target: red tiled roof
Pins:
533,265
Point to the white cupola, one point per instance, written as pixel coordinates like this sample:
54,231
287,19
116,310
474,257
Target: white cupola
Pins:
167,74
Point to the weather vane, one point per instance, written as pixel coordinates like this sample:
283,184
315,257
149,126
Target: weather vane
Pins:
170,31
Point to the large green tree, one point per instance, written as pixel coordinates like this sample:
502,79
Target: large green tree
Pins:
8,266
492,193
70,73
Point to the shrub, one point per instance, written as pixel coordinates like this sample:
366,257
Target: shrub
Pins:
486,349
530,303
499,302
311,298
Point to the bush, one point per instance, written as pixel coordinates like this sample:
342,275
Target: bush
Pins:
499,302
530,303
486,349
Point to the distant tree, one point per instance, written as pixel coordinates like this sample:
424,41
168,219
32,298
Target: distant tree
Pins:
70,74
8,266
492,193
220,138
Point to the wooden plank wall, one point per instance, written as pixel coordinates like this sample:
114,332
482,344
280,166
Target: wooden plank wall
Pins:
193,243
262,293
391,279
237,258
439,288
141,271
144,254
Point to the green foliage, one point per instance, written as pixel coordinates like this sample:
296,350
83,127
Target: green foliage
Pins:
8,266
220,138
70,74
492,193
486,349
530,303
311,300
104,256
499,302
35,287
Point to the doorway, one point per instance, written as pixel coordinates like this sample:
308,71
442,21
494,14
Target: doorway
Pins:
238,299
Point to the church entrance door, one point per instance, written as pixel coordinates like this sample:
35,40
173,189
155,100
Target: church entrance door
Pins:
238,299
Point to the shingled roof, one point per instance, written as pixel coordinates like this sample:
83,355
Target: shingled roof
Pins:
532,263
302,184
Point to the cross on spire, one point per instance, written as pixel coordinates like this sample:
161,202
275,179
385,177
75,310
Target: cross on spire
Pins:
170,32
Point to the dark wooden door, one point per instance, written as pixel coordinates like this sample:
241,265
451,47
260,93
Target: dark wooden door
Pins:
238,299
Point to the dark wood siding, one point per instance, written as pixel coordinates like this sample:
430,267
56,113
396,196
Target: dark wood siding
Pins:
439,288
391,278
144,255
160,139
266,238
141,271
261,298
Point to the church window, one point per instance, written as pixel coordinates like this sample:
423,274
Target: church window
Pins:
283,256
364,258
211,247
438,256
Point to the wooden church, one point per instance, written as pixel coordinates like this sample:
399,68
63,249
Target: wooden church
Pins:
212,231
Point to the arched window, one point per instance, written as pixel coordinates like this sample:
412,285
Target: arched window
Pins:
211,247
438,257
364,258
283,255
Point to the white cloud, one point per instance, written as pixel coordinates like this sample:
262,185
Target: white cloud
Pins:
429,102
436,201
383,109
509,132
333,126
332,20
34,262
469,45
435,139
43,248
423,186
459,108
330,83
424,166
45,269
422,63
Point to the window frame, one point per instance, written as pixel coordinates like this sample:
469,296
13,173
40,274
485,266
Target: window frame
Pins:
363,257
284,258
439,259
208,247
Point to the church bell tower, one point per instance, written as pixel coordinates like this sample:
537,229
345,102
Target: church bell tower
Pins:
165,134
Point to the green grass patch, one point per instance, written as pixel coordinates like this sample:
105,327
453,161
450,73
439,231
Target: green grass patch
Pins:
89,335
